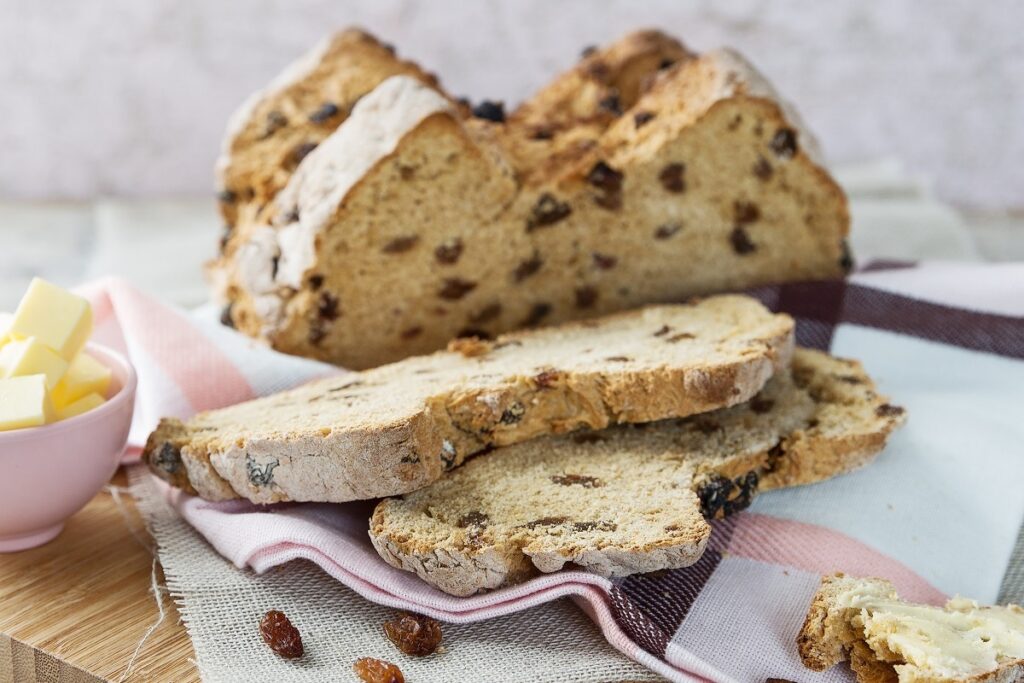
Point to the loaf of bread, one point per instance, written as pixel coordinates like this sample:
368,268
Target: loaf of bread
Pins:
646,174
632,498
396,428
886,639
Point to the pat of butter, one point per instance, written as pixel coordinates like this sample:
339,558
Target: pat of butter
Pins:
79,406
23,402
85,375
55,316
5,324
23,357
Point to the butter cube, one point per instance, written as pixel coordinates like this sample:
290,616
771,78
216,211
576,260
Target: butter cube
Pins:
55,316
23,402
85,375
5,324
82,405
23,357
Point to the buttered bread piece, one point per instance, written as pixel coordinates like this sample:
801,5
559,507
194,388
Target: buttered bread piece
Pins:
646,174
887,639
633,498
398,427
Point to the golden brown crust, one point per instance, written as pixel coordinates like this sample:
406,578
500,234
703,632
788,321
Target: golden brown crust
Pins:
850,429
163,453
606,82
299,109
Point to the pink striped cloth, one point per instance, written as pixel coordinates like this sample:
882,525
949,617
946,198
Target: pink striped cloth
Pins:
934,513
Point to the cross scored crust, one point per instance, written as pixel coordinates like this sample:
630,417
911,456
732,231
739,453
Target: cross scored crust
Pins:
371,217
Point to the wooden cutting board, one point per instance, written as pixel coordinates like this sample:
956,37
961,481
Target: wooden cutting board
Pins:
75,610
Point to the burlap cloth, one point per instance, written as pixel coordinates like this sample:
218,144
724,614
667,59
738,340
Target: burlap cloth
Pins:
221,607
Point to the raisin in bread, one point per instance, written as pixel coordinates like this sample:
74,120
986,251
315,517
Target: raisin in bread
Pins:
632,498
398,427
646,174
886,639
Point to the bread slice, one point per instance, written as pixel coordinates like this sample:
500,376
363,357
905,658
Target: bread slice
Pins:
398,427
632,498
887,639
645,175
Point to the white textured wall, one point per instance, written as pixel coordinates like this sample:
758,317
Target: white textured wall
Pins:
129,97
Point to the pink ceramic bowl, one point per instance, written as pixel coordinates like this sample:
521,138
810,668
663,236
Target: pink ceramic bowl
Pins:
49,473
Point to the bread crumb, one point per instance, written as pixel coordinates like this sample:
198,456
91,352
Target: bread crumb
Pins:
470,346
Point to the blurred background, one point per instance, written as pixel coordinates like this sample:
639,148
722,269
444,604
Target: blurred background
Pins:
113,109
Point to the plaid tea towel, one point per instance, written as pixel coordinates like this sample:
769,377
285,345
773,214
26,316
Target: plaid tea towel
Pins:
938,513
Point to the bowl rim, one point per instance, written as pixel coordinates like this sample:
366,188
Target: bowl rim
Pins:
125,394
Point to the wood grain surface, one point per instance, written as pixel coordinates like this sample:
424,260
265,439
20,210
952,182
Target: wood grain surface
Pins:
75,610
